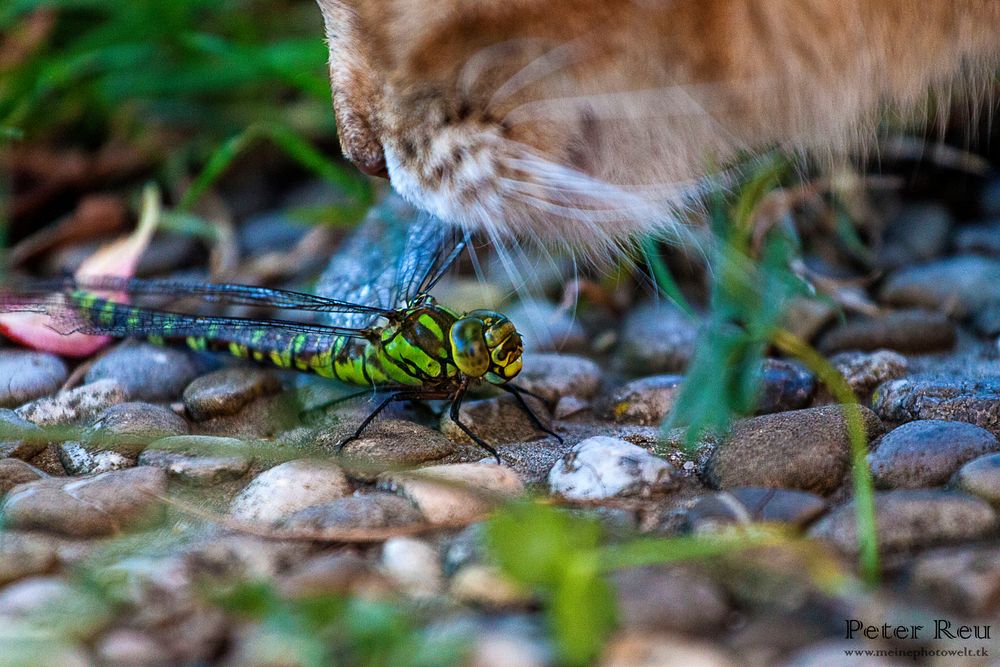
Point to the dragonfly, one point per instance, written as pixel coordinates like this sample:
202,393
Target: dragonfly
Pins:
380,327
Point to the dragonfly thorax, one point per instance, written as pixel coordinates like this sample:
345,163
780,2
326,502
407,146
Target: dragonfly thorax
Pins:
485,344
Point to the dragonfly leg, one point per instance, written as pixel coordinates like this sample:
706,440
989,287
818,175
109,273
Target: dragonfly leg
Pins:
368,420
337,401
456,405
517,391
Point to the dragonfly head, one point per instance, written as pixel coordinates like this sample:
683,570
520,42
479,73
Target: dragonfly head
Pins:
486,345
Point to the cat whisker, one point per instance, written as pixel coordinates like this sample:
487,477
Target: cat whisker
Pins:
550,62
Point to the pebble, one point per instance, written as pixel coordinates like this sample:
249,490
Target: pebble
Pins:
33,595
339,574
414,565
986,321
602,467
669,599
227,391
357,512
805,316
78,459
983,239
24,554
644,649
75,405
466,547
287,488
919,232
864,371
130,427
785,385
388,444
569,406
746,504
656,338
86,507
910,331
927,452
558,376
808,450
19,437
456,492
130,648
497,421
14,472
989,197
943,397
644,401
836,652
911,518
146,371
29,375
190,459
545,327
486,586
981,477
965,579
960,285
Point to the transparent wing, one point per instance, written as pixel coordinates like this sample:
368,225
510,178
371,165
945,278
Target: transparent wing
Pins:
393,256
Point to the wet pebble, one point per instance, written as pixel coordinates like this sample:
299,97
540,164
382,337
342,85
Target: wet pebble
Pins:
287,488
864,371
75,405
227,391
910,331
960,285
927,452
982,239
16,471
24,554
981,477
656,338
455,493
644,401
19,437
908,518
602,467
78,459
414,565
785,385
356,512
129,428
965,579
192,459
388,444
84,507
808,450
146,371
497,421
556,376
487,586
28,375
942,397
669,599
745,504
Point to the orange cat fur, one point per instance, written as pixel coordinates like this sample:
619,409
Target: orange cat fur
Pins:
590,120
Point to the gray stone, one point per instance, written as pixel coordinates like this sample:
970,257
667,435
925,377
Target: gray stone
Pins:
545,327
986,321
981,477
340,574
199,460
74,406
644,401
16,471
657,338
357,512
910,518
965,579
128,428
28,375
85,507
19,437
388,444
864,371
227,391
927,452
131,648
602,467
497,421
146,371
556,376
807,450
287,488
910,331
669,599
78,459
940,397
785,385
919,232
455,493
25,554
414,565
959,285
982,239
744,504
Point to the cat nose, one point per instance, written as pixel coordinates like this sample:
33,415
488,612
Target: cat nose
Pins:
373,166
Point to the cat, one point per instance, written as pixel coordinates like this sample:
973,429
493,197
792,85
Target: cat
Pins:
591,121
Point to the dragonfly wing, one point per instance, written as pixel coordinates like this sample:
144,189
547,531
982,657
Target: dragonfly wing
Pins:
395,255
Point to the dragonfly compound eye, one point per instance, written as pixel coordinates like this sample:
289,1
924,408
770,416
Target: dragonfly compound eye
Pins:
468,346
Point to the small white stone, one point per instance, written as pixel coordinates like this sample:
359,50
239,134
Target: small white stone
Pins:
603,467
414,565
455,492
288,488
